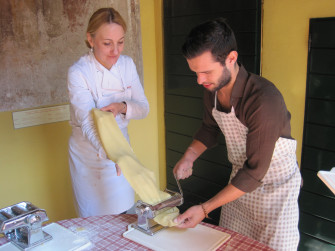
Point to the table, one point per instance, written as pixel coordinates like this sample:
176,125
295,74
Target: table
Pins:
105,233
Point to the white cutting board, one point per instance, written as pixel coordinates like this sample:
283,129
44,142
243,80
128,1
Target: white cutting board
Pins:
328,177
62,239
200,238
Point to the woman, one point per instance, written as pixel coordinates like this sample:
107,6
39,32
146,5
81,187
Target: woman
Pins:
106,80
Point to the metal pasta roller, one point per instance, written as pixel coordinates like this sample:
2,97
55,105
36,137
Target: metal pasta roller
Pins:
146,212
22,225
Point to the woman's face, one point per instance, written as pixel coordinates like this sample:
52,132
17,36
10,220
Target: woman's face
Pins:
107,43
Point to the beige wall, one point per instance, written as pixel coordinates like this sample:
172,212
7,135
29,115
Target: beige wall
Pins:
33,160
34,167
147,136
285,51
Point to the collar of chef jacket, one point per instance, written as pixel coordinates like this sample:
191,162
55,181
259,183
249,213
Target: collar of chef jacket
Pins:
111,79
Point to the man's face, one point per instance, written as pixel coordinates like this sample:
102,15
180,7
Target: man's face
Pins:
210,74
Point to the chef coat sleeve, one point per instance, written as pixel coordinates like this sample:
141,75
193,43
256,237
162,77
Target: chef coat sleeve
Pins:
137,105
209,130
265,117
82,103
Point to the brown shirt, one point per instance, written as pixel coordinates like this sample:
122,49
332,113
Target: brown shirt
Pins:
260,107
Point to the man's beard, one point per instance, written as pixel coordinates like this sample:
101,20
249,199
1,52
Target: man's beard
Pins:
223,80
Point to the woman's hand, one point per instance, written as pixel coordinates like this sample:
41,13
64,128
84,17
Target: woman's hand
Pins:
118,170
115,108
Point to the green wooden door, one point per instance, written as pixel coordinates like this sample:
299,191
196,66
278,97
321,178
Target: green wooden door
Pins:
183,96
316,201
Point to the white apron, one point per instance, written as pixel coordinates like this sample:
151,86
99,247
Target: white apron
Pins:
270,213
97,188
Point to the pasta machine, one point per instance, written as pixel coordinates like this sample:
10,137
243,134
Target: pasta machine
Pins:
22,225
146,212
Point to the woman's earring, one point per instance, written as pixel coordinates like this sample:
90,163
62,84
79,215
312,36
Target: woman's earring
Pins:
92,49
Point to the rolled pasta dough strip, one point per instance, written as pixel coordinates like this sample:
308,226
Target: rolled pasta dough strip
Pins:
141,179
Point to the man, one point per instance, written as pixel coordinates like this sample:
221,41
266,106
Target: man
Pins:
260,200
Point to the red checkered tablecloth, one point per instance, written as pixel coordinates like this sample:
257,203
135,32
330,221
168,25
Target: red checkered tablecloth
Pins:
105,233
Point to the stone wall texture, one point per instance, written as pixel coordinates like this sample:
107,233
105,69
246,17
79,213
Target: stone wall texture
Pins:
41,39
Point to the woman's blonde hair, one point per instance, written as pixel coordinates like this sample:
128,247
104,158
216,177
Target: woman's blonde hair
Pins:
102,16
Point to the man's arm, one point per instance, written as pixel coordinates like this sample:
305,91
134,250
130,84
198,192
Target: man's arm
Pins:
194,215
183,168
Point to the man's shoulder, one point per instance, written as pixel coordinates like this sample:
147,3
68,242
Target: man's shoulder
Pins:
262,86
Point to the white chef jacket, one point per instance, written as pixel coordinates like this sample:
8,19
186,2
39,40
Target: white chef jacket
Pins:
97,188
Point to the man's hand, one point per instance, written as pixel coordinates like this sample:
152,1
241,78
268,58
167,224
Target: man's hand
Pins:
183,169
192,217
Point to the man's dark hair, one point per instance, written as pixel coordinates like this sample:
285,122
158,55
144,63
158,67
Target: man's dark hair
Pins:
215,36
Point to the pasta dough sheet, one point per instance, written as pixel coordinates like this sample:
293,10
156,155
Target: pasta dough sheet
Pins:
141,179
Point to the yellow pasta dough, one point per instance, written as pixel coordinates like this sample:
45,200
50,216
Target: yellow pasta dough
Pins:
141,179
